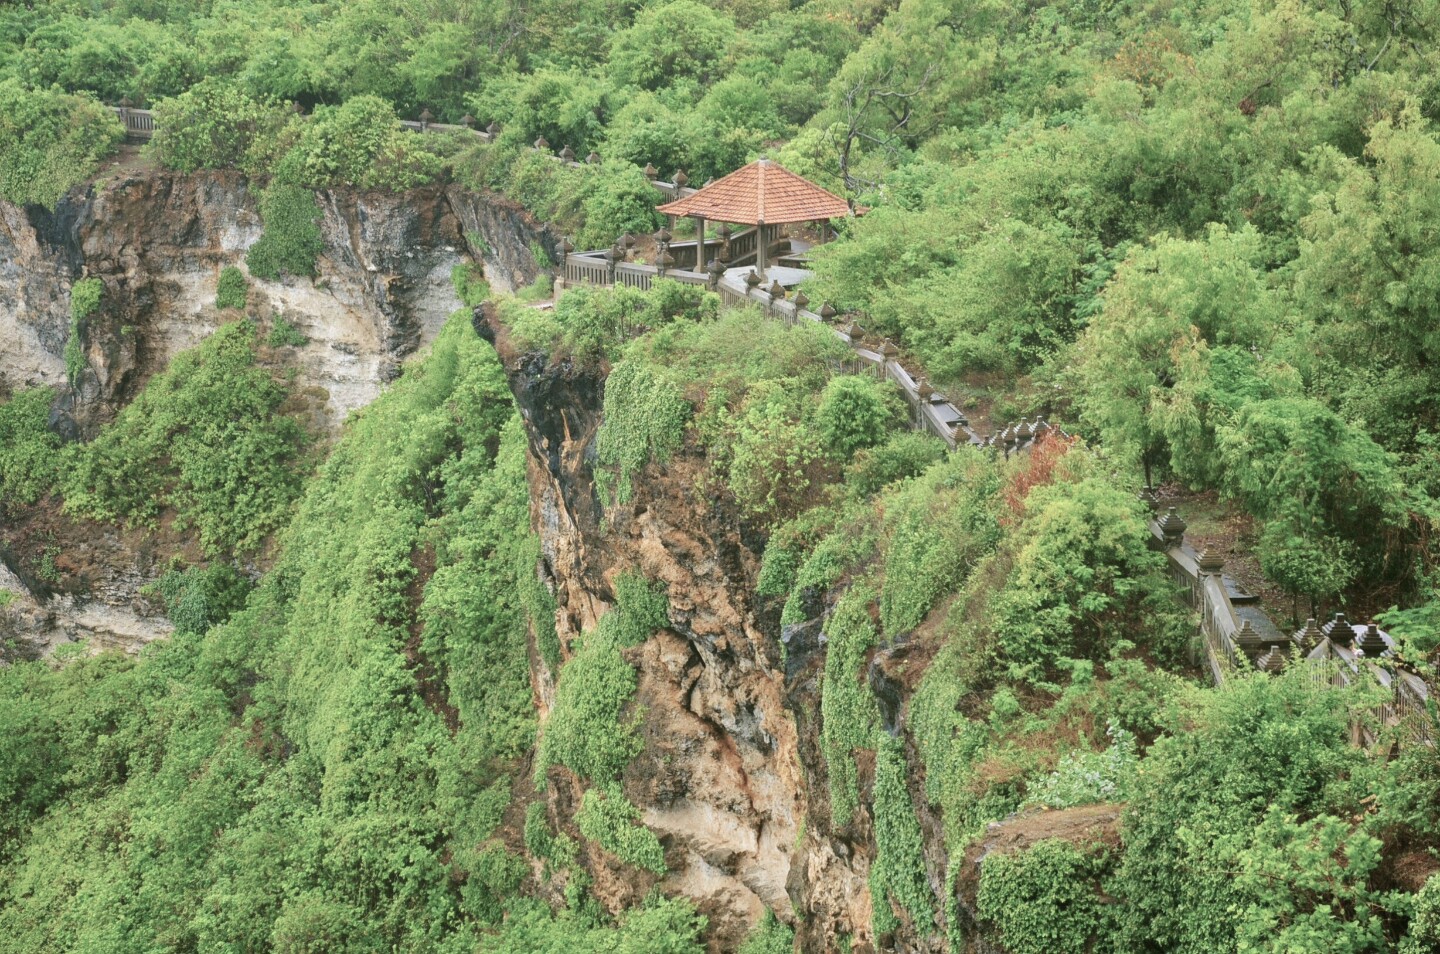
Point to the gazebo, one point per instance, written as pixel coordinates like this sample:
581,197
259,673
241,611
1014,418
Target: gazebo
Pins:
763,194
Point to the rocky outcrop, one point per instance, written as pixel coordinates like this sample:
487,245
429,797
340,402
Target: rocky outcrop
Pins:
730,763
159,240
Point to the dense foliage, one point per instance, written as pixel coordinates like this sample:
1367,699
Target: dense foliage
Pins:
29,450
1200,235
290,778
49,141
209,438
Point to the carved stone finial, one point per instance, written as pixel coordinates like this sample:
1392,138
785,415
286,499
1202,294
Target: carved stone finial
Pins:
1248,641
651,172
888,349
1339,630
567,154
827,310
1172,527
1210,561
801,300
1150,498
467,121
593,158
681,179
1308,636
542,144
1372,642
752,279
777,290
662,235
1272,662
493,129
426,118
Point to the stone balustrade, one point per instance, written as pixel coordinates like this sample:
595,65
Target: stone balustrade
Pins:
1235,635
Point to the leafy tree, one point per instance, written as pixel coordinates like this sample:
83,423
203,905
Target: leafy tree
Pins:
30,459
360,143
855,413
215,125
1148,361
209,439
669,43
50,141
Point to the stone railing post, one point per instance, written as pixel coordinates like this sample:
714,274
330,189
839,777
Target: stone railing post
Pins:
613,256
1172,528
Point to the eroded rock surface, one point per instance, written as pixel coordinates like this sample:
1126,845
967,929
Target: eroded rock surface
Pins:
726,778
158,241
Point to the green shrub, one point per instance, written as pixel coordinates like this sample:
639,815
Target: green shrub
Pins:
1084,778
50,142
206,437
848,713
620,201
1424,934
645,419
1082,576
936,528
84,300
639,610
584,732
901,455
541,289
232,288
1045,899
608,819
537,600
857,412
30,459
197,598
658,926
359,143
470,284
898,873
284,333
292,240
775,462
555,850
217,125
770,936
840,552
787,548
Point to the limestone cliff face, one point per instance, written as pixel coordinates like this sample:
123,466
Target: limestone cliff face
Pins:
731,764
158,241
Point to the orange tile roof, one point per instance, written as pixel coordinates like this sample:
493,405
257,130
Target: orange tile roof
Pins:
760,192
